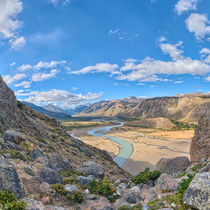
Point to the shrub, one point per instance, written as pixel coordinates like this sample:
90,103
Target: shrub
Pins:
15,154
184,184
9,201
103,188
76,196
59,188
41,140
145,176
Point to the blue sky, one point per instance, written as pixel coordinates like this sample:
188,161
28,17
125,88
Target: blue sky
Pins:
70,52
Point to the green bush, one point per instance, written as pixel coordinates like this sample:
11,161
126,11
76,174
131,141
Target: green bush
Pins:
76,197
146,176
41,140
59,188
183,125
9,201
15,154
184,184
103,188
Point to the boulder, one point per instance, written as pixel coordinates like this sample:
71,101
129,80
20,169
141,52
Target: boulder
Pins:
166,183
14,136
44,188
9,178
173,165
36,153
92,168
59,164
29,170
198,192
50,176
200,146
83,180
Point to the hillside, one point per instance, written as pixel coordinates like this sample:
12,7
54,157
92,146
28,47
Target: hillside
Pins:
186,108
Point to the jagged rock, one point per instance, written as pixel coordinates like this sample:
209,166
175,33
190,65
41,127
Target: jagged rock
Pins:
29,170
50,176
83,180
92,168
198,192
71,188
57,163
14,136
173,165
200,146
9,178
123,185
36,153
166,183
136,189
148,194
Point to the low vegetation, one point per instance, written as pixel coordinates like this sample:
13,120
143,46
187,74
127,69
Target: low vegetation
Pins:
145,176
183,126
9,201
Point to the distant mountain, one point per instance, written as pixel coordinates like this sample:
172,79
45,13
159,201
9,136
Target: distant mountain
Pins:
186,108
53,114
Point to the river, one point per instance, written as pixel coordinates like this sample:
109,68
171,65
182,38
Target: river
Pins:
126,148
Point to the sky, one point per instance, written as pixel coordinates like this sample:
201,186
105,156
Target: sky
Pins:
72,52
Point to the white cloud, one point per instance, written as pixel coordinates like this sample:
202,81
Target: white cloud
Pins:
18,43
9,23
12,64
207,59
199,25
98,68
205,51
59,96
178,82
44,76
62,2
162,39
48,65
24,67
116,84
74,89
24,84
172,50
123,35
208,79
183,6
10,79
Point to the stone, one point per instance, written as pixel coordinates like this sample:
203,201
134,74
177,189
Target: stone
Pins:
118,181
50,176
29,170
205,169
200,145
14,136
9,178
136,189
173,165
31,185
119,191
36,153
166,183
44,188
123,186
71,188
92,168
46,200
198,192
87,191
83,180
59,164
148,194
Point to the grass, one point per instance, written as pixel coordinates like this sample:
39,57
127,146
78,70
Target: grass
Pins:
15,154
9,201
146,176
183,126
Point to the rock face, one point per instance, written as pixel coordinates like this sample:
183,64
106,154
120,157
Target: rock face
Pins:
197,194
9,178
50,176
200,146
92,168
173,165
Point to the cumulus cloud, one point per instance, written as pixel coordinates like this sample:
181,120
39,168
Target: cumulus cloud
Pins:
199,25
59,96
10,79
44,76
24,84
48,65
183,6
24,67
205,51
98,68
9,23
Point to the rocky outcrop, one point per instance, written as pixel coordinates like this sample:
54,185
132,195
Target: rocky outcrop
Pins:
197,195
14,136
200,146
173,165
50,176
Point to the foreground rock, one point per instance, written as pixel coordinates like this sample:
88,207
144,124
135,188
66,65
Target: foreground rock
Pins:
14,136
92,168
173,165
198,193
9,178
200,146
